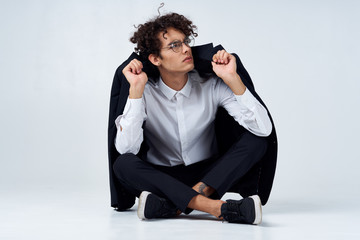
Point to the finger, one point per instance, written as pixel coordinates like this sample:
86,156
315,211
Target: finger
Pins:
138,63
138,66
220,56
128,68
215,58
227,57
223,56
132,68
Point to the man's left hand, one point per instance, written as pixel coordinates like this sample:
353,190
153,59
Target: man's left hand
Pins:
224,66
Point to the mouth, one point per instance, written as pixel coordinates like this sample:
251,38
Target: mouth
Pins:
188,59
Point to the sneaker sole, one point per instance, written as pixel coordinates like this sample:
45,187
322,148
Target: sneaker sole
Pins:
258,210
141,205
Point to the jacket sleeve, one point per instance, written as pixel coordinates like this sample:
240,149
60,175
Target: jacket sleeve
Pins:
120,198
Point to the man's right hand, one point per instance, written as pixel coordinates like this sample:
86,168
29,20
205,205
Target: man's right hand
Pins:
136,78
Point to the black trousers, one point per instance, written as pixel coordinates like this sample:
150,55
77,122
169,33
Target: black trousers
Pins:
223,173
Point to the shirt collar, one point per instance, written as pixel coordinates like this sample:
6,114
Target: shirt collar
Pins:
170,93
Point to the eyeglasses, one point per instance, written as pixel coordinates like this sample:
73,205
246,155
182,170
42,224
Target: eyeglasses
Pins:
177,45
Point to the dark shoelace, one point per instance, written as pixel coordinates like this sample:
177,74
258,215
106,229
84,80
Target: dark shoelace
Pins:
232,212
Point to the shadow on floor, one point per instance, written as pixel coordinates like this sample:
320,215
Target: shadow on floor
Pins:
303,206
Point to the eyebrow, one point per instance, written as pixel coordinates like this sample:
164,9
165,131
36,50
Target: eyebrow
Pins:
177,40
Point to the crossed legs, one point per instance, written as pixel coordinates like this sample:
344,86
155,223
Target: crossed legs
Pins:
173,183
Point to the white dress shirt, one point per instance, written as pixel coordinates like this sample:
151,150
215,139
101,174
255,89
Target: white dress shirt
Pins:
179,125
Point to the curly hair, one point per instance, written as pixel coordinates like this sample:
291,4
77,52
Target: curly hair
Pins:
146,37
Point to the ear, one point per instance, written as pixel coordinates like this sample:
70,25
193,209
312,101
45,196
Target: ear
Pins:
154,59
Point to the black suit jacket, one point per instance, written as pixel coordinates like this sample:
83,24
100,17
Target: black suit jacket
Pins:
226,128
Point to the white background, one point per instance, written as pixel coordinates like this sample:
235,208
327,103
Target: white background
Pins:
58,58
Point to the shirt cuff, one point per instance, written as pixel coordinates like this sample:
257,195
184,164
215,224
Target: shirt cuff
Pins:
247,99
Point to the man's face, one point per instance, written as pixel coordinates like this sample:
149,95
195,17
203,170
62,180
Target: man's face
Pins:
175,62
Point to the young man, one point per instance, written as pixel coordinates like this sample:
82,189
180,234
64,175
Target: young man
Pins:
173,112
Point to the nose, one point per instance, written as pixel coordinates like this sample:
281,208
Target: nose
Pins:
186,48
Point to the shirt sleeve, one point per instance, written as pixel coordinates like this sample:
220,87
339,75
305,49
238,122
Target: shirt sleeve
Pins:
129,134
245,109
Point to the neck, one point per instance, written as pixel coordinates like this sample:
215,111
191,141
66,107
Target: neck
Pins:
174,81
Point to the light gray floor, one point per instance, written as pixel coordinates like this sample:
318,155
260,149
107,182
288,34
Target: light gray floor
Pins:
49,213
